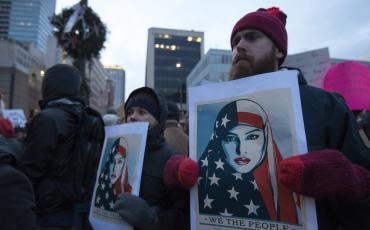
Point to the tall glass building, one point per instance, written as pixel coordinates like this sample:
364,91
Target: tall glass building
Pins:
29,21
171,56
4,17
117,76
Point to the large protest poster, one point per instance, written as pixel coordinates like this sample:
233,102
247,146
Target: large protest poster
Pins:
239,132
119,171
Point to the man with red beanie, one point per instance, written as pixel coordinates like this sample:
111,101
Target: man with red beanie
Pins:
335,170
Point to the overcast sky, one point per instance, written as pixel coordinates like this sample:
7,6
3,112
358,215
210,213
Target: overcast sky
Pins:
341,25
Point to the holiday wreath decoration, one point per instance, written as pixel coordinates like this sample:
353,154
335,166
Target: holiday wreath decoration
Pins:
79,31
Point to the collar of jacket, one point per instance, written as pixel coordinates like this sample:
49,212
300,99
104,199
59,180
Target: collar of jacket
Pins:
301,79
155,138
61,102
171,123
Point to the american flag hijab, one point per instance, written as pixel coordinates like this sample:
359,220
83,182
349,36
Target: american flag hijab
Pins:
224,188
107,192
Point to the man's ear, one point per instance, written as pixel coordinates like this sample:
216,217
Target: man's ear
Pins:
278,53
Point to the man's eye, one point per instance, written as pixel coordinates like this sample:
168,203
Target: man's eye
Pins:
251,37
252,137
235,41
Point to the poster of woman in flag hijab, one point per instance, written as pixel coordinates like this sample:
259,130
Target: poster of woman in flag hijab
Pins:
113,178
119,171
240,137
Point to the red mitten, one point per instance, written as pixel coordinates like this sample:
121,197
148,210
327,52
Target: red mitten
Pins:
325,173
180,172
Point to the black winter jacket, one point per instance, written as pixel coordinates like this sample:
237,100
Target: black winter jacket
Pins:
173,205
329,124
17,205
48,153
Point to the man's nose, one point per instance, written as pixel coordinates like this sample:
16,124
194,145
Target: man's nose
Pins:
241,46
132,117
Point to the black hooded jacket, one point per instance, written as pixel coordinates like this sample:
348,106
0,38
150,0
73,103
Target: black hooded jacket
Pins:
50,140
17,209
173,205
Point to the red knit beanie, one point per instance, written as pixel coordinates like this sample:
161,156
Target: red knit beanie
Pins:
6,128
269,21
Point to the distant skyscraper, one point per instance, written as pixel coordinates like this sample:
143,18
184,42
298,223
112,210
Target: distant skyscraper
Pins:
29,21
4,18
171,56
116,74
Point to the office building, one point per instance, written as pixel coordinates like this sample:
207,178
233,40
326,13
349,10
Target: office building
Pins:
171,56
116,75
29,21
4,18
214,67
97,79
21,72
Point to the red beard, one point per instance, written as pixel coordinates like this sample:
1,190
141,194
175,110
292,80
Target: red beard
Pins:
244,65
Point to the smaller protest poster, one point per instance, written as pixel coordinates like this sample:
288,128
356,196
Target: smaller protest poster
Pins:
16,117
119,171
313,65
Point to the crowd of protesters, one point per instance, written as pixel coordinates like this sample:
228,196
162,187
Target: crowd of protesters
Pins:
36,175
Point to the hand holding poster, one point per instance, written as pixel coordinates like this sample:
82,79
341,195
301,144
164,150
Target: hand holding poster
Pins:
239,136
119,171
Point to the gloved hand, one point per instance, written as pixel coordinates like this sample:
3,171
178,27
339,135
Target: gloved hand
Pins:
325,173
180,172
136,211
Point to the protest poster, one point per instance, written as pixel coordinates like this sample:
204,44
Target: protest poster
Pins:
16,117
119,171
313,64
239,132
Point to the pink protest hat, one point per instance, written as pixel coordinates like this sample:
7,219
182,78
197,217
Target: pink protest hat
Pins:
352,80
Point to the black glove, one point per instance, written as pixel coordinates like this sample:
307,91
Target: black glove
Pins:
136,211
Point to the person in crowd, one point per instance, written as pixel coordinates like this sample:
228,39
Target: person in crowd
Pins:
113,175
49,147
247,154
111,117
259,45
363,121
351,80
174,135
17,209
335,171
157,206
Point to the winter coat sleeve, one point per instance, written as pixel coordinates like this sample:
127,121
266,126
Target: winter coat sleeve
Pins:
329,124
345,134
176,215
172,205
16,199
41,141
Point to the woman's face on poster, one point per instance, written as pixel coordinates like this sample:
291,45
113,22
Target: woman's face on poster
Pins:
244,147
116,169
